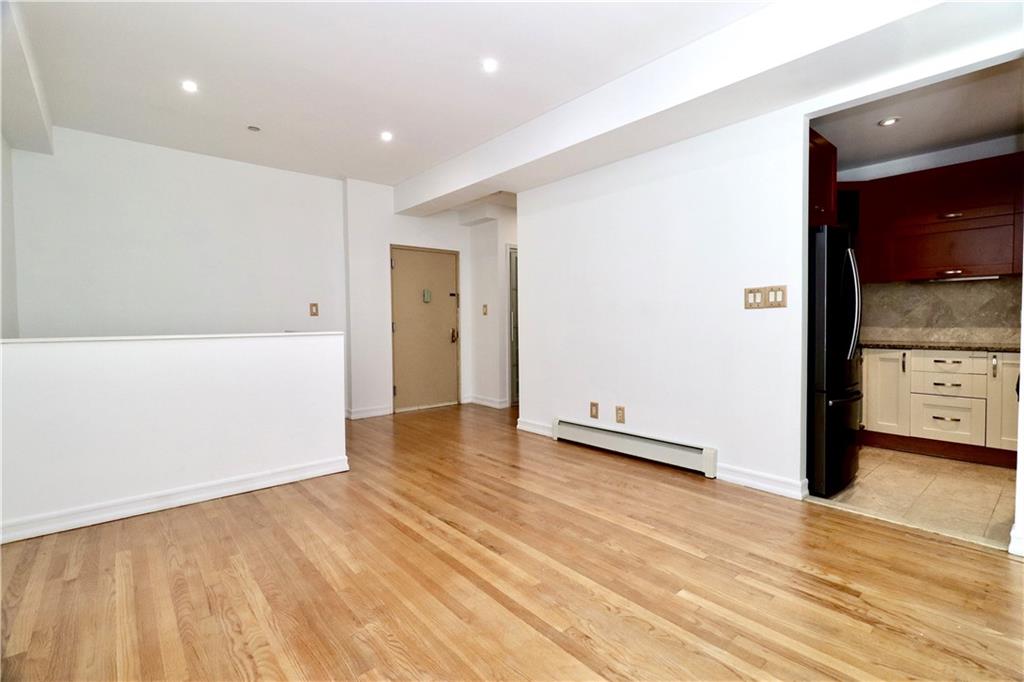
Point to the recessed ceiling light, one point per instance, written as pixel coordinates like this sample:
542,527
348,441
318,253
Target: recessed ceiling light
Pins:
489,64
386,136
889,121
189,86
254,129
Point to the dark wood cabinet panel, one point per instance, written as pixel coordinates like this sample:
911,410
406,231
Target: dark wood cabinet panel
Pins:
956,221
921,254
976,189
822,188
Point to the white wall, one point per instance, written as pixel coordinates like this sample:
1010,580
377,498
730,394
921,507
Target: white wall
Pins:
490,242
371,228
121,238
631,284
8,264
96,430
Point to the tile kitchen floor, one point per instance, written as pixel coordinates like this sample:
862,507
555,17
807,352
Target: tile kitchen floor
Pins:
969,501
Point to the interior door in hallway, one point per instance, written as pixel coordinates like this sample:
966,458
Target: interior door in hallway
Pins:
425,315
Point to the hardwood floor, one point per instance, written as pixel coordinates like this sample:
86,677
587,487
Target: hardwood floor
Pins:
457,548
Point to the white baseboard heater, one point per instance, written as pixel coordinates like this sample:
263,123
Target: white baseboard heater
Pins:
677,454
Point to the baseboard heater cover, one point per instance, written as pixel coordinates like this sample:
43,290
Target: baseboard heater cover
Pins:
677,454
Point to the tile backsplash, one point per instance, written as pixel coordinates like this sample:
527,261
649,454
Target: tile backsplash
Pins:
982,311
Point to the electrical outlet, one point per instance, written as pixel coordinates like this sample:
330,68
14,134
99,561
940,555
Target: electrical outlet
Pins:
314,310
485,308
620,414
593,410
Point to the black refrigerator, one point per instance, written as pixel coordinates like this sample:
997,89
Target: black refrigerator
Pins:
834,413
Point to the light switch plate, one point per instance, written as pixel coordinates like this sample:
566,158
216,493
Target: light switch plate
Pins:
485,308
314,310
765,297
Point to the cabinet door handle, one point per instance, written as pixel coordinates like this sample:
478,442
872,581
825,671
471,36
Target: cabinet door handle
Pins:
953,214
951,272
945,419
995,366
903,362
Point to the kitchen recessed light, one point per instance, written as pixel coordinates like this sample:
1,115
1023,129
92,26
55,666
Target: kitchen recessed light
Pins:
254,129
189,86
386,136
889,121
489,64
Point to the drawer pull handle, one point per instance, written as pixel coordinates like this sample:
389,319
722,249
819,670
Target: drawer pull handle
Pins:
943,383
952,362
945,419
953,214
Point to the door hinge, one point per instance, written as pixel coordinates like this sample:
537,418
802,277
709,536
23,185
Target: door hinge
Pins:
394,390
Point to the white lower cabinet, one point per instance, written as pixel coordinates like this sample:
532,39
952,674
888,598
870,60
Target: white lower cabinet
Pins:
958,420
957,396
886,388
1003,372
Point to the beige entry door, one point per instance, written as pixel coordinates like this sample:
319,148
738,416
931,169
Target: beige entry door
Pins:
425,312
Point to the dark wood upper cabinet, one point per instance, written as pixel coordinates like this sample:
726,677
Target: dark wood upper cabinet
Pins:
955,221
822,188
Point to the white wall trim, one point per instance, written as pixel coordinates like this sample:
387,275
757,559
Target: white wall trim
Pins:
496,403
944,157
538,428
1017,538
43,524
365,412
787,487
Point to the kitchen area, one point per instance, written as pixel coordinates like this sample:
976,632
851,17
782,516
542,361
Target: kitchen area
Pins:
915,213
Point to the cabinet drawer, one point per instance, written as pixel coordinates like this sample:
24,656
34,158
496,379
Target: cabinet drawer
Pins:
948,361
957,420
949,383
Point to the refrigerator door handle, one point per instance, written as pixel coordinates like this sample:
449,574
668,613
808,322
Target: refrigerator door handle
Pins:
848,399
855,335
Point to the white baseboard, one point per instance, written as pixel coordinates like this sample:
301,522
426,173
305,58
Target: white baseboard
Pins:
53,522
496,403
1017,538
539,428
365,412
769,483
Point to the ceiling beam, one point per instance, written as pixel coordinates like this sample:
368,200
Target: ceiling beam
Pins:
779,56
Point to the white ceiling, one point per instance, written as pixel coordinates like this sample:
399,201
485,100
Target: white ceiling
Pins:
323,79
978,106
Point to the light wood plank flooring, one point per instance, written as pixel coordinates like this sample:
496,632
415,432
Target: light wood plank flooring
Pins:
459,549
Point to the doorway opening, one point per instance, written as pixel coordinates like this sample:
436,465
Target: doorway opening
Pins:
513,324
424,328
914,300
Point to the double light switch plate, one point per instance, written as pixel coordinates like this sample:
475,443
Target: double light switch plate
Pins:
765,297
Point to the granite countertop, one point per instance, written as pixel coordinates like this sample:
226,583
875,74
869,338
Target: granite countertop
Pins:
944,345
